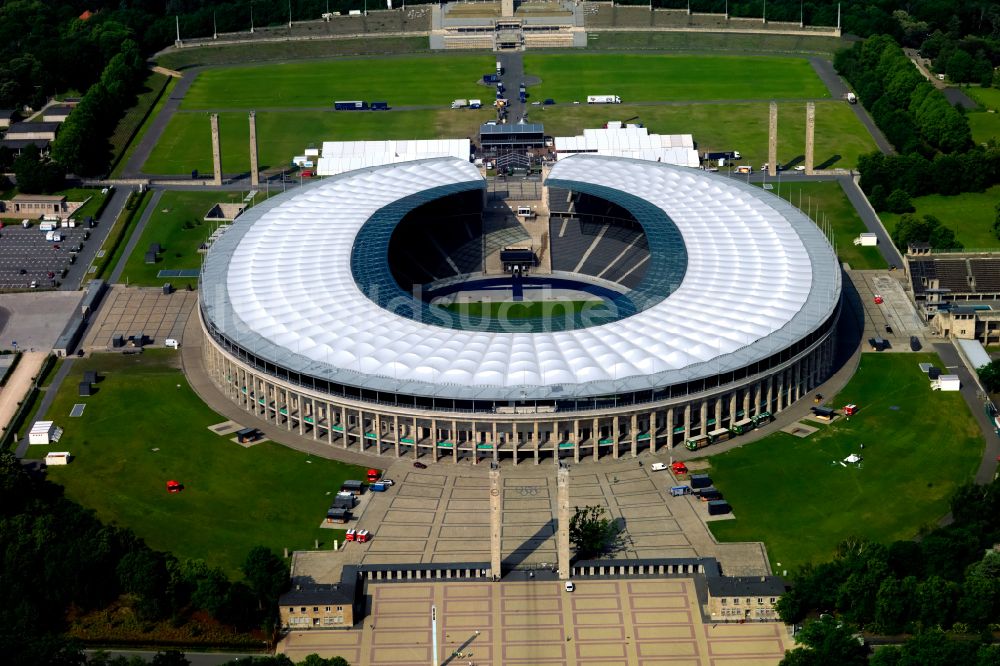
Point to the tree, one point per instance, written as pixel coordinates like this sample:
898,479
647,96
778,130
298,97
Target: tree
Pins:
266,575
996,222
827,641
989,374
899,202
316,660
35,174
170,658
591,533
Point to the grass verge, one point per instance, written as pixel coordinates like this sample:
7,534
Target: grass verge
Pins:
794,495
114,244
144,425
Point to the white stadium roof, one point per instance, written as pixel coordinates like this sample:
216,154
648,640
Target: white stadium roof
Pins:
760,276
342,156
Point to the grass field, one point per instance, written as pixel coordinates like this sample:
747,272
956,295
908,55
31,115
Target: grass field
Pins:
971,215
400,81
644,78
987,97
185,144
178,226
82,194
828,203
984,125
144,426
919,446
523,309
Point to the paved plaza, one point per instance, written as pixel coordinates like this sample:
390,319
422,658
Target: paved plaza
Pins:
130,310
896,310
26,257
442,515
603,622
35,319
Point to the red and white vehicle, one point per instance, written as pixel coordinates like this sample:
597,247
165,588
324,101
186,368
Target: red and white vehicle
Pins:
362,536
351,535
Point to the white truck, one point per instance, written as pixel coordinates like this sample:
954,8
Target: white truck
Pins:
460,104
499,67
604,99
946,383
475,103
866,240
852,98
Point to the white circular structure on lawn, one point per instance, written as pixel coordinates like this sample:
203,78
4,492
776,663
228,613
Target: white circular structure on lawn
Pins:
307,323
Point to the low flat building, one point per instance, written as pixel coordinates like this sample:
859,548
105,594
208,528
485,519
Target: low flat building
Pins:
32,131
744,597
495,139
956,293
56,114
39,204
319,606
17,145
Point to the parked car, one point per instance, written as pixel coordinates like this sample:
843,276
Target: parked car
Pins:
388,482
878,299
915,343
419,465
658,467
570,586
888,329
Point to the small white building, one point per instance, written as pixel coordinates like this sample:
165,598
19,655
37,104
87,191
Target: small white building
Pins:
631,141
946,383
341,156
41,432
57,458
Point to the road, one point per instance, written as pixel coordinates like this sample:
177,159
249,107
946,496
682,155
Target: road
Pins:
77,273
838,89
133,168
872,221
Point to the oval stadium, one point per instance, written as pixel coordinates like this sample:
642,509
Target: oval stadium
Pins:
617,306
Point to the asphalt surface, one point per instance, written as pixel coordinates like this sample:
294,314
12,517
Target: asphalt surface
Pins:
78,271
871,220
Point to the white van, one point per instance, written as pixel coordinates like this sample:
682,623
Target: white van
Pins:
658,467
172,343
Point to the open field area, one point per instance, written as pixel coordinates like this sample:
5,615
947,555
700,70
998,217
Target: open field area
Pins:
524,309
643,78
144,426
281,135
984,125
400,81
179,227
970,214
987,97
840,138
793,494
828,203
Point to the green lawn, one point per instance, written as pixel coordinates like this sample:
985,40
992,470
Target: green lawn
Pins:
523,309
971,215
400,81
828,203
179,227
791,493
145,426
96,199
643,78
185,144
984,125
987,97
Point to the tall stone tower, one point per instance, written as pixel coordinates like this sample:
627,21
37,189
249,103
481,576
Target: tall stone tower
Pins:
496,503
810,136
216,151
562,518
772,141
254,169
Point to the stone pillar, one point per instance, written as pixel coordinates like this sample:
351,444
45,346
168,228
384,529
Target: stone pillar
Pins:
772,141
216,150
810,136
562,519
254,171
496,501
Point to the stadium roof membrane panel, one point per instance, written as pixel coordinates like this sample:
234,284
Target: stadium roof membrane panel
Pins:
760,276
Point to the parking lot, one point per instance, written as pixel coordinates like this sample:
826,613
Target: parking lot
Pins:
28,260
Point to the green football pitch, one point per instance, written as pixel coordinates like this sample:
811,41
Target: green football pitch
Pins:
645,78
794,495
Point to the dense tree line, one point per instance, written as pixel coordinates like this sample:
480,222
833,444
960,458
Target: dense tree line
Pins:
56,555
174,658
948,580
